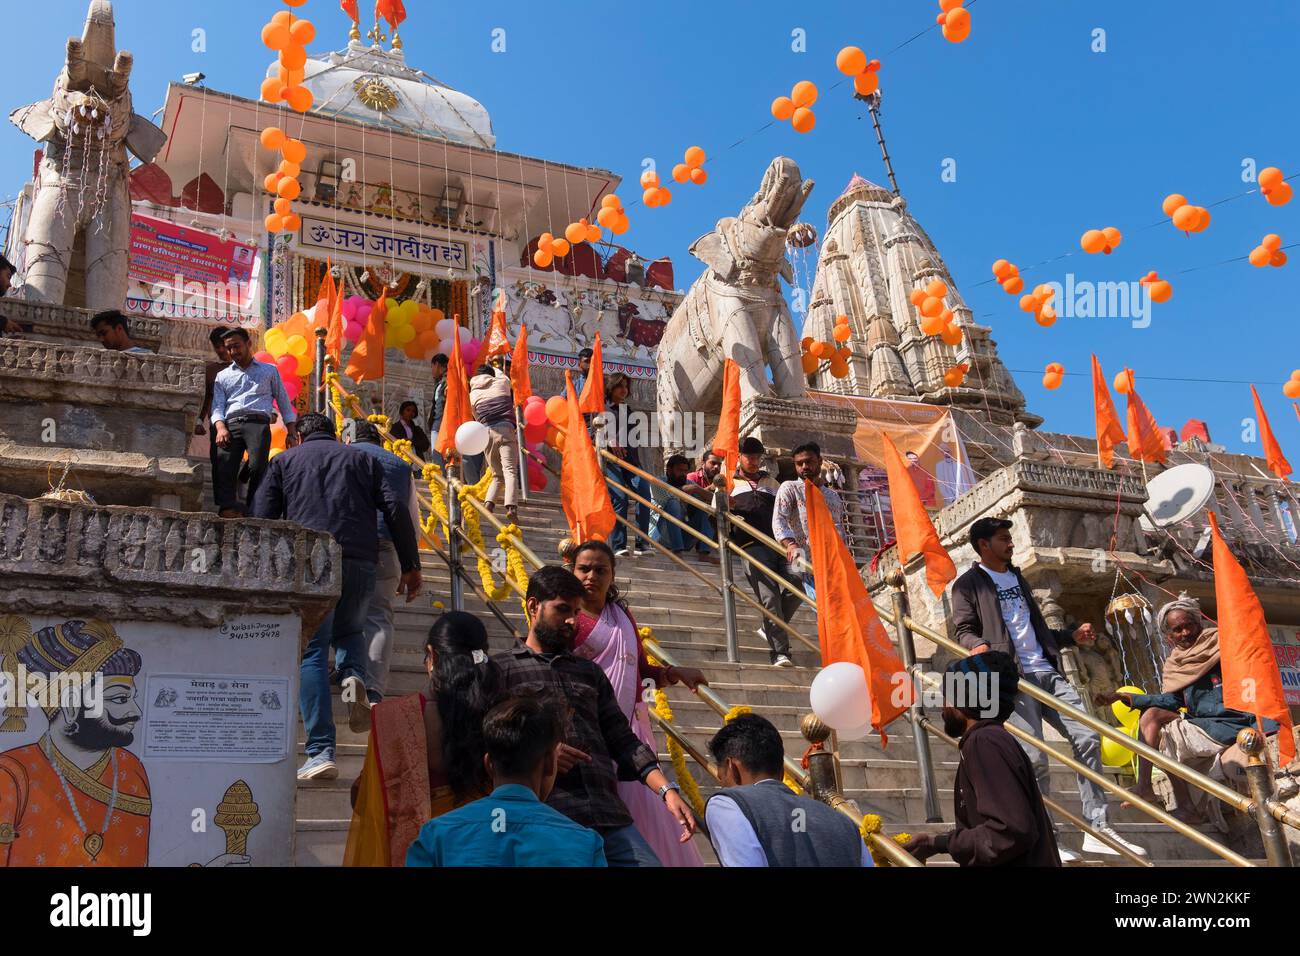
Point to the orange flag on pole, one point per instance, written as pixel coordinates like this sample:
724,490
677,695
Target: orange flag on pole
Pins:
1277,462
848,627
726,442
366,363
1251,680
583,492
334,332
327,294
519,380
1144,440
912,526
1109,430
497,341
592,399
458,410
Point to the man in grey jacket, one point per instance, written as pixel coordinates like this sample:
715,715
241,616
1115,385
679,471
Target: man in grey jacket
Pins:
993,609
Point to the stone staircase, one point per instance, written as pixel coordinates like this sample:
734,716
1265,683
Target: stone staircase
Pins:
687,620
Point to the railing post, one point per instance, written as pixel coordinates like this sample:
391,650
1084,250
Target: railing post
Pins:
453,542
319,403
916,713
822,778
724,567
1260,778
523,454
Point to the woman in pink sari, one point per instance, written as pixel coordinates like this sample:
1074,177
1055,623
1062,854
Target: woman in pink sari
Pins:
607,635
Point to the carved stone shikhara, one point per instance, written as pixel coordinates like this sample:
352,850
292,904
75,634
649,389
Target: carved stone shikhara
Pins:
145,564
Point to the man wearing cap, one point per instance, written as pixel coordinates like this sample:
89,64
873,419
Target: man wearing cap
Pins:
1001,820
993,608
753,500
78,797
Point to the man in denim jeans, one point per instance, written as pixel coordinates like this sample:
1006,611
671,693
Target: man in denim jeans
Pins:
327,486
670,535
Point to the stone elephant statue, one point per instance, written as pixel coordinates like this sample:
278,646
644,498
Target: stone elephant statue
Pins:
86,128
736,308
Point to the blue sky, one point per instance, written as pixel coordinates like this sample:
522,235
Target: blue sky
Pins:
1049,139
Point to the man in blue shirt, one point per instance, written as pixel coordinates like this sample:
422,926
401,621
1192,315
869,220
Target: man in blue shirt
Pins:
512,826
244,399
379,635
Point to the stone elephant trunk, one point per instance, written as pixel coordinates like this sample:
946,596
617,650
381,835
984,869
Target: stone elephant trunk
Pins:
736,308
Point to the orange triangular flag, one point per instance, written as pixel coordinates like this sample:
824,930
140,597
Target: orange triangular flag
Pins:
912,526
498,342
1109,431
366,363
334,331
327,294
519,380
583,491
726,442
848,627
1144,440
592,399
458,410
1251,680
1277,462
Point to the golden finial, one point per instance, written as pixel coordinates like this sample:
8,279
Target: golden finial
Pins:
355,33
397,41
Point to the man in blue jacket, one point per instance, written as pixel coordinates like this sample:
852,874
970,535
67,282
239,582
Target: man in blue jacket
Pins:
325,485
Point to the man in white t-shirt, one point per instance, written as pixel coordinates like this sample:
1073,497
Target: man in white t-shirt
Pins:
994,609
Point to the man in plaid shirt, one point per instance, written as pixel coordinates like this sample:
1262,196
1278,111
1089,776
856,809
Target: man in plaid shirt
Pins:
599,745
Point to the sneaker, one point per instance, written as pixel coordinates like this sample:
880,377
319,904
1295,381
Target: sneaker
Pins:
622,552
782,661
1092,845
359,706
1067,856
708,558
319,767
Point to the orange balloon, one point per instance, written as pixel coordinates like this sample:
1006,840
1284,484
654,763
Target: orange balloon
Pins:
951,334
1291,389
606,216
932,324
842,333
803,120
1029,303
1278,258
1186,218
272,137
650,197
292,77
1113,237
841,320
1269,177
621,225
918,296
560,248
1046,316
271,181
699,177
1161,291
665,197
694,157
782,108
272,90
1279,195
291,222
611,201
303,32
839,368
1202,219
293,57
1055,367
809,363
284,16
682,173
288,188
936,288
864,84
649,179
557,410
1051,381
276,36
299,99
1001,268
274,222
1173,202
1272,242
1124,381
593,233
804,93
1013,285
1093,241
283,206
1259,256
931,305
287,168
542,258
575,232
294,150
817,349
850,61
956,25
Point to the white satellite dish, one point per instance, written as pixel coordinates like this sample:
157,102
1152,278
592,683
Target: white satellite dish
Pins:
1176,495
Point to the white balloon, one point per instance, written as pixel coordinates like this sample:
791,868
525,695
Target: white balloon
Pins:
445,347
854,733
444,328
311,313
472,439
839,696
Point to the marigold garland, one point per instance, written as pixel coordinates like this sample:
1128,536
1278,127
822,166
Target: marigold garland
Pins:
872,824
664,710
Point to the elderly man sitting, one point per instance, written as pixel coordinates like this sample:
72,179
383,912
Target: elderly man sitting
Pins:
1204,737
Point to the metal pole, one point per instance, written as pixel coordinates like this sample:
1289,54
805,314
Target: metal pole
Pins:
916,713
1260,778
318,400
822,776
724,567
523,454
453,542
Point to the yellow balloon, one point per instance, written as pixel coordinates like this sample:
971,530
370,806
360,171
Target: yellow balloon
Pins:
1114,754
297,346
1128,717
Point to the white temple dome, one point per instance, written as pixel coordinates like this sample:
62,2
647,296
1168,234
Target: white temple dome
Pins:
375,86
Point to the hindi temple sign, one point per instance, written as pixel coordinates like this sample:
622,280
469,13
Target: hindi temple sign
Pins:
342,240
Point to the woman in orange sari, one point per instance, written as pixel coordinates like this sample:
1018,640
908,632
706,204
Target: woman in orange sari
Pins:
425,754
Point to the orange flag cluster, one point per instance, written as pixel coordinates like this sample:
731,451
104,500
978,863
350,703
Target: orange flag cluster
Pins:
583,492
366,363
592,399
1144,439
1277,462
726,443
848,627
457,411
912,525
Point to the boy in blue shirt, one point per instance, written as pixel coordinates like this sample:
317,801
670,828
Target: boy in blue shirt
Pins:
512,826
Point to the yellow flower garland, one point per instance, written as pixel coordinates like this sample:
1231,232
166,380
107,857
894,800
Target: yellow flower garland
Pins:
871,823
690,789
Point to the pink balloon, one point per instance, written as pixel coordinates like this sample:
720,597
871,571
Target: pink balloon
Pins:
266,357
536,479
535,433
288,366
350,308
352,331
292,387
469,350
535,414
534,400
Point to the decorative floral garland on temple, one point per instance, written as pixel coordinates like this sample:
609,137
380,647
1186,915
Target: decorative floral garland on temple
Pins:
664,710
871,823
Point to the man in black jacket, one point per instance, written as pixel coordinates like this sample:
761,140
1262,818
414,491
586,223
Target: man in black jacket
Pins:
325,485
994,609
753,499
